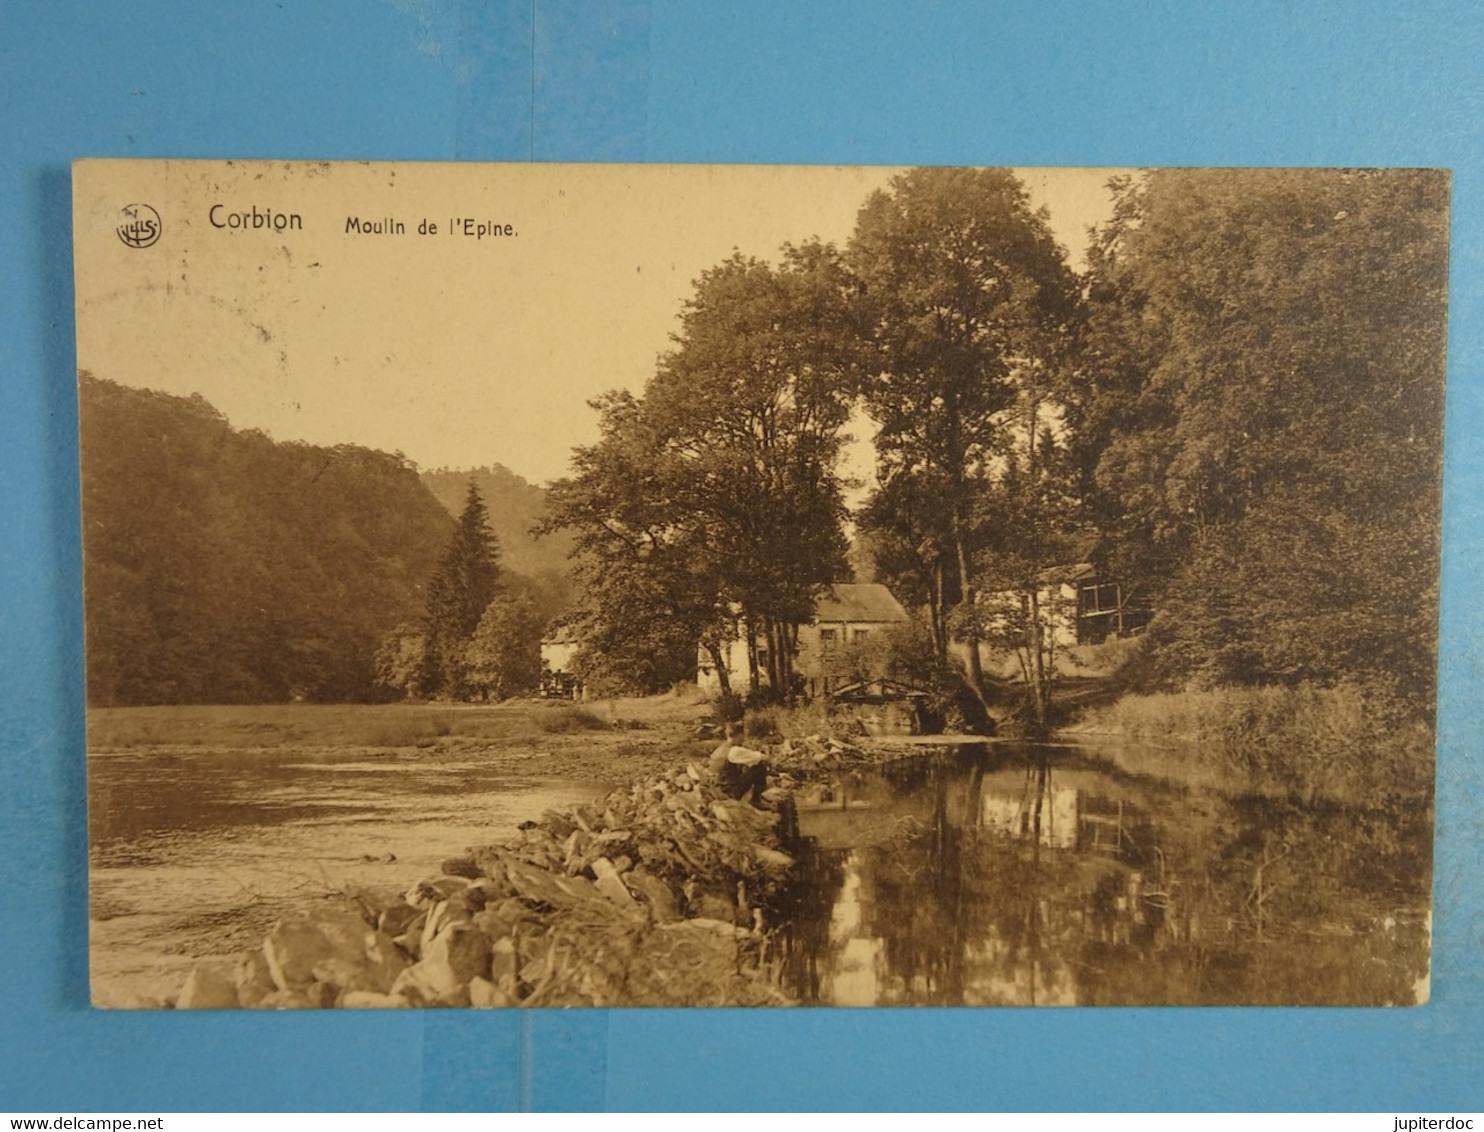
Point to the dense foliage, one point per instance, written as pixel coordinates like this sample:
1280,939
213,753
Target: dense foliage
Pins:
714,500
221,567
966,296
1259,419
503,655
1235,410
971,306
480,634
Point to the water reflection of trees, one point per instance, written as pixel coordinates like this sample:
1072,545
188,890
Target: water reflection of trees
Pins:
1195,900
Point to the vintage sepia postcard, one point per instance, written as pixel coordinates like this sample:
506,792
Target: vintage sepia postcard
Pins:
563,585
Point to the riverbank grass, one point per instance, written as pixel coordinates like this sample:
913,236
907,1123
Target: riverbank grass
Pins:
399,725
1342,744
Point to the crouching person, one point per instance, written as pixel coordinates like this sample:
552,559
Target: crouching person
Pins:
740,771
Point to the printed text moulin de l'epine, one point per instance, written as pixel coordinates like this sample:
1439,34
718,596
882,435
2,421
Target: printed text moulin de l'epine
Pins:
271,220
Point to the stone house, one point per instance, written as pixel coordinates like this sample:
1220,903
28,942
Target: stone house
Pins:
844,641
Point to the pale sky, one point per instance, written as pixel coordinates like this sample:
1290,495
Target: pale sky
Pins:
455,350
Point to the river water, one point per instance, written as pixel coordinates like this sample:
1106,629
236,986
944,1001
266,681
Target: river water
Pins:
998,874
1011,874
195,854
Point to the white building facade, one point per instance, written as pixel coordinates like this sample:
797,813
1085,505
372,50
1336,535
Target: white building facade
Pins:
846,640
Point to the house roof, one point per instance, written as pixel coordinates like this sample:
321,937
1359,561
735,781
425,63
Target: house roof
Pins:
858,601
1073,572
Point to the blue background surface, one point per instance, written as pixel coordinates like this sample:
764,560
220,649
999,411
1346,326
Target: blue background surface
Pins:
1016,82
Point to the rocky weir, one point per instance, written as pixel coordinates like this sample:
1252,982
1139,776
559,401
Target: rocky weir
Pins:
662,894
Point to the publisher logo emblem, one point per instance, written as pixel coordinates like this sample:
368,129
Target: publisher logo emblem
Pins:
139,225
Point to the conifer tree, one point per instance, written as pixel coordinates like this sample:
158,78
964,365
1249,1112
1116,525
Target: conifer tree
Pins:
459,593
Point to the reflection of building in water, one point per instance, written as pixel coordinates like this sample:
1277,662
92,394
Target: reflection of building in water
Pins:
853,979
929,887
1071,818
1015,815
937,901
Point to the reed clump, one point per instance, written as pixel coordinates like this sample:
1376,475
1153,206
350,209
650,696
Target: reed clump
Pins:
1348,743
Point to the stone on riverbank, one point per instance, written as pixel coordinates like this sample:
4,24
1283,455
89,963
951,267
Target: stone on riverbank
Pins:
209,986
611,886
460,867
253,979
655,896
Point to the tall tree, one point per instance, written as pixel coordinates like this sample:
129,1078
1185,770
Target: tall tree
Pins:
753,401
646,575
717,491
1259,417
963,284
458,594
503,656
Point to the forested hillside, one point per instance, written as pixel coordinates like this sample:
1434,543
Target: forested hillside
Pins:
222,567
